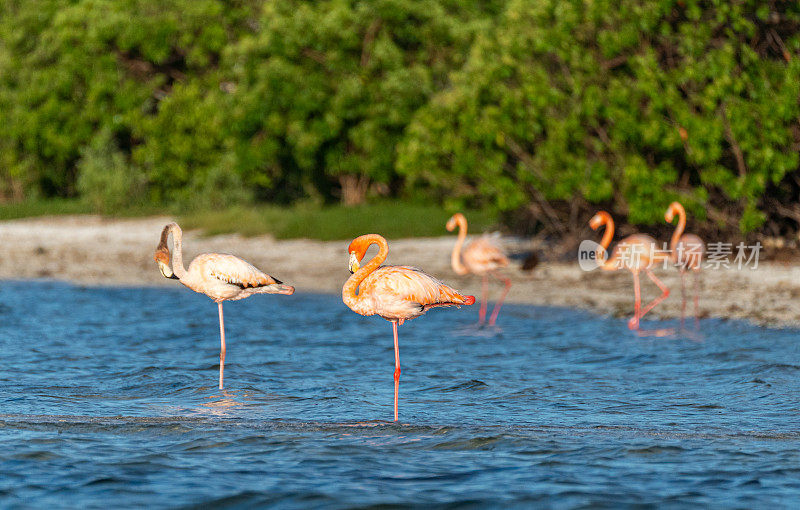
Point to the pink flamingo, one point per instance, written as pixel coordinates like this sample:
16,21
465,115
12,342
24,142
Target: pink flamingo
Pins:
396,293
636,253
481,257
687,254
219,276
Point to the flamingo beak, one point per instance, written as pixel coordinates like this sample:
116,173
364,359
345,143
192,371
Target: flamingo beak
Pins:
166,271
354,265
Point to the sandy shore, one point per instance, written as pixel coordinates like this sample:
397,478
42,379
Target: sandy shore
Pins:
92,250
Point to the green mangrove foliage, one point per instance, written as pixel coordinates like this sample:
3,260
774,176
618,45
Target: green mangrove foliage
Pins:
635,102
551,106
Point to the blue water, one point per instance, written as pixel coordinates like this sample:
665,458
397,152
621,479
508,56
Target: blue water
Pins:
108,397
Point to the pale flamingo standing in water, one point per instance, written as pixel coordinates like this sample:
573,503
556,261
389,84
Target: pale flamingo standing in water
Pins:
219,276
687,254
480,257
395,293
636,253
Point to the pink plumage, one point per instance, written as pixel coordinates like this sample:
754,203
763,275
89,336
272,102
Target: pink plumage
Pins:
396,293
480,257
687,252
403,293
220,276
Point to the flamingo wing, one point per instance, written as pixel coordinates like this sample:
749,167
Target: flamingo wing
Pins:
484,254
233,270
637,251
404,292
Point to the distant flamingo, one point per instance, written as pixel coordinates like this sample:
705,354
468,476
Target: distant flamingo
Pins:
636,253
687,254
396,293
219,276
481,257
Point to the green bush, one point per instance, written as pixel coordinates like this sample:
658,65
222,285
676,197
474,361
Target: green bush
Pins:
639,102
205,103
72,69
315,100
105,179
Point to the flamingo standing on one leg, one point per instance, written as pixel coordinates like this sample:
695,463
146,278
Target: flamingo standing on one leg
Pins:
396,293
687,254
636,253
480,257
219,276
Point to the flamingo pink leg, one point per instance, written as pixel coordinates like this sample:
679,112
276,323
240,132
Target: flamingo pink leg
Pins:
396,368
484,299
662,297
222,345
683,298
697,300
496,310
633,323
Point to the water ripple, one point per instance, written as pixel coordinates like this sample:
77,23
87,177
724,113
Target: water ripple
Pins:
111,393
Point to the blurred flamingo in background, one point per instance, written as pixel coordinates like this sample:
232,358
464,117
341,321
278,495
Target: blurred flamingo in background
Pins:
636,253
687,254
396,293
219,276
481,257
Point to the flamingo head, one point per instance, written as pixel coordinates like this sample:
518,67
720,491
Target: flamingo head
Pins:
354,263
597,220
673,209
357,249
452,223
162,259
162,256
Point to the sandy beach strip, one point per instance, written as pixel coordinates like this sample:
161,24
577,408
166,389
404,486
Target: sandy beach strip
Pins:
92,250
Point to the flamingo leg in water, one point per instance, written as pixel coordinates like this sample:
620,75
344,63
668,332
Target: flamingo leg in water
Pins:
496,311
662,297
633,323
683,298
696,299
396,368
484,299
222,345
651,305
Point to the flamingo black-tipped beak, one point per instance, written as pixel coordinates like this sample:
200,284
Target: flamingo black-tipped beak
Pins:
166,271
353,265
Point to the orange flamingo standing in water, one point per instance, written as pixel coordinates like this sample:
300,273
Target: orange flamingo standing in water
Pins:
687,254
219,276
481,257
396,293
636,253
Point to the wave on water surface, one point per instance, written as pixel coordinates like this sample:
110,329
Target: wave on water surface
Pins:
553,407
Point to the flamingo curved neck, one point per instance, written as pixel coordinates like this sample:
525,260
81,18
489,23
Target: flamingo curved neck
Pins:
357,302
678,231
608,235
177,251
455,257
